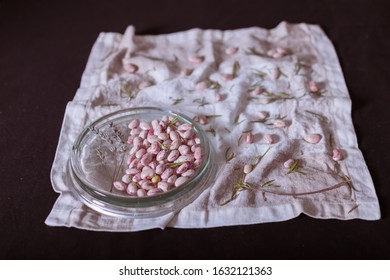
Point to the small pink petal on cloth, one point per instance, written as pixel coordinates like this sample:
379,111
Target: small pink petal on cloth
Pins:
268,138
231,50
312,138
288,163
186,72
202,85
280,123
196,59
131,68
337,155
313,86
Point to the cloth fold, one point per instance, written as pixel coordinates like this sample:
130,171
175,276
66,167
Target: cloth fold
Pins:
250,80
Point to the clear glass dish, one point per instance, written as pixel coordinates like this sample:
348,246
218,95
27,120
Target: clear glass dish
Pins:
99,156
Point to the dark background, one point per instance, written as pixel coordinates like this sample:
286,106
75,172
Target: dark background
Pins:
44,47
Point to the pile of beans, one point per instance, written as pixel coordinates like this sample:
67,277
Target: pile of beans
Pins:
165,154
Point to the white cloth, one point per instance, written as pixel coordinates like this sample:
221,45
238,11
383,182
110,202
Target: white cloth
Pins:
160,59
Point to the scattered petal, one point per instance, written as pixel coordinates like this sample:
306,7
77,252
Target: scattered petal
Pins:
313,87
202,85
261,115
279,123
131,68
248,168
312,138
287,164
218,97
186,72
268,138
202,119
144,84
249,138
257,91
196,59
337,155
231,50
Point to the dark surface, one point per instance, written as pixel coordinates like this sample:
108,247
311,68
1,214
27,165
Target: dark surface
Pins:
44,47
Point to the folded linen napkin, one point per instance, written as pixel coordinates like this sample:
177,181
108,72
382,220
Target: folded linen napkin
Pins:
283,85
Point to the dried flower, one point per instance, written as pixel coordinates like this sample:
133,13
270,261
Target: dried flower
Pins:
295,168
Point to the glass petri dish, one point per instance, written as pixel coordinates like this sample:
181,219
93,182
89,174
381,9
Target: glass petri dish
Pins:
99,157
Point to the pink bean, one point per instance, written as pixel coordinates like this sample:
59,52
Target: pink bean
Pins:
173,135
164,186
172,179
132,189
135,131
188,173
126,178
145,125
132,171
154,124
120,186
137,141
130,159
182,168
198,153
147,185
187,134
130,139
184,149
146,159
154,191
147,174
143,134
153,138
137,177
162,136
153,164
141,193
167,173
184,126
140,153
134,123
160,168
180,181
175,144
185,158
162,155
173,155
134,163
155,148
